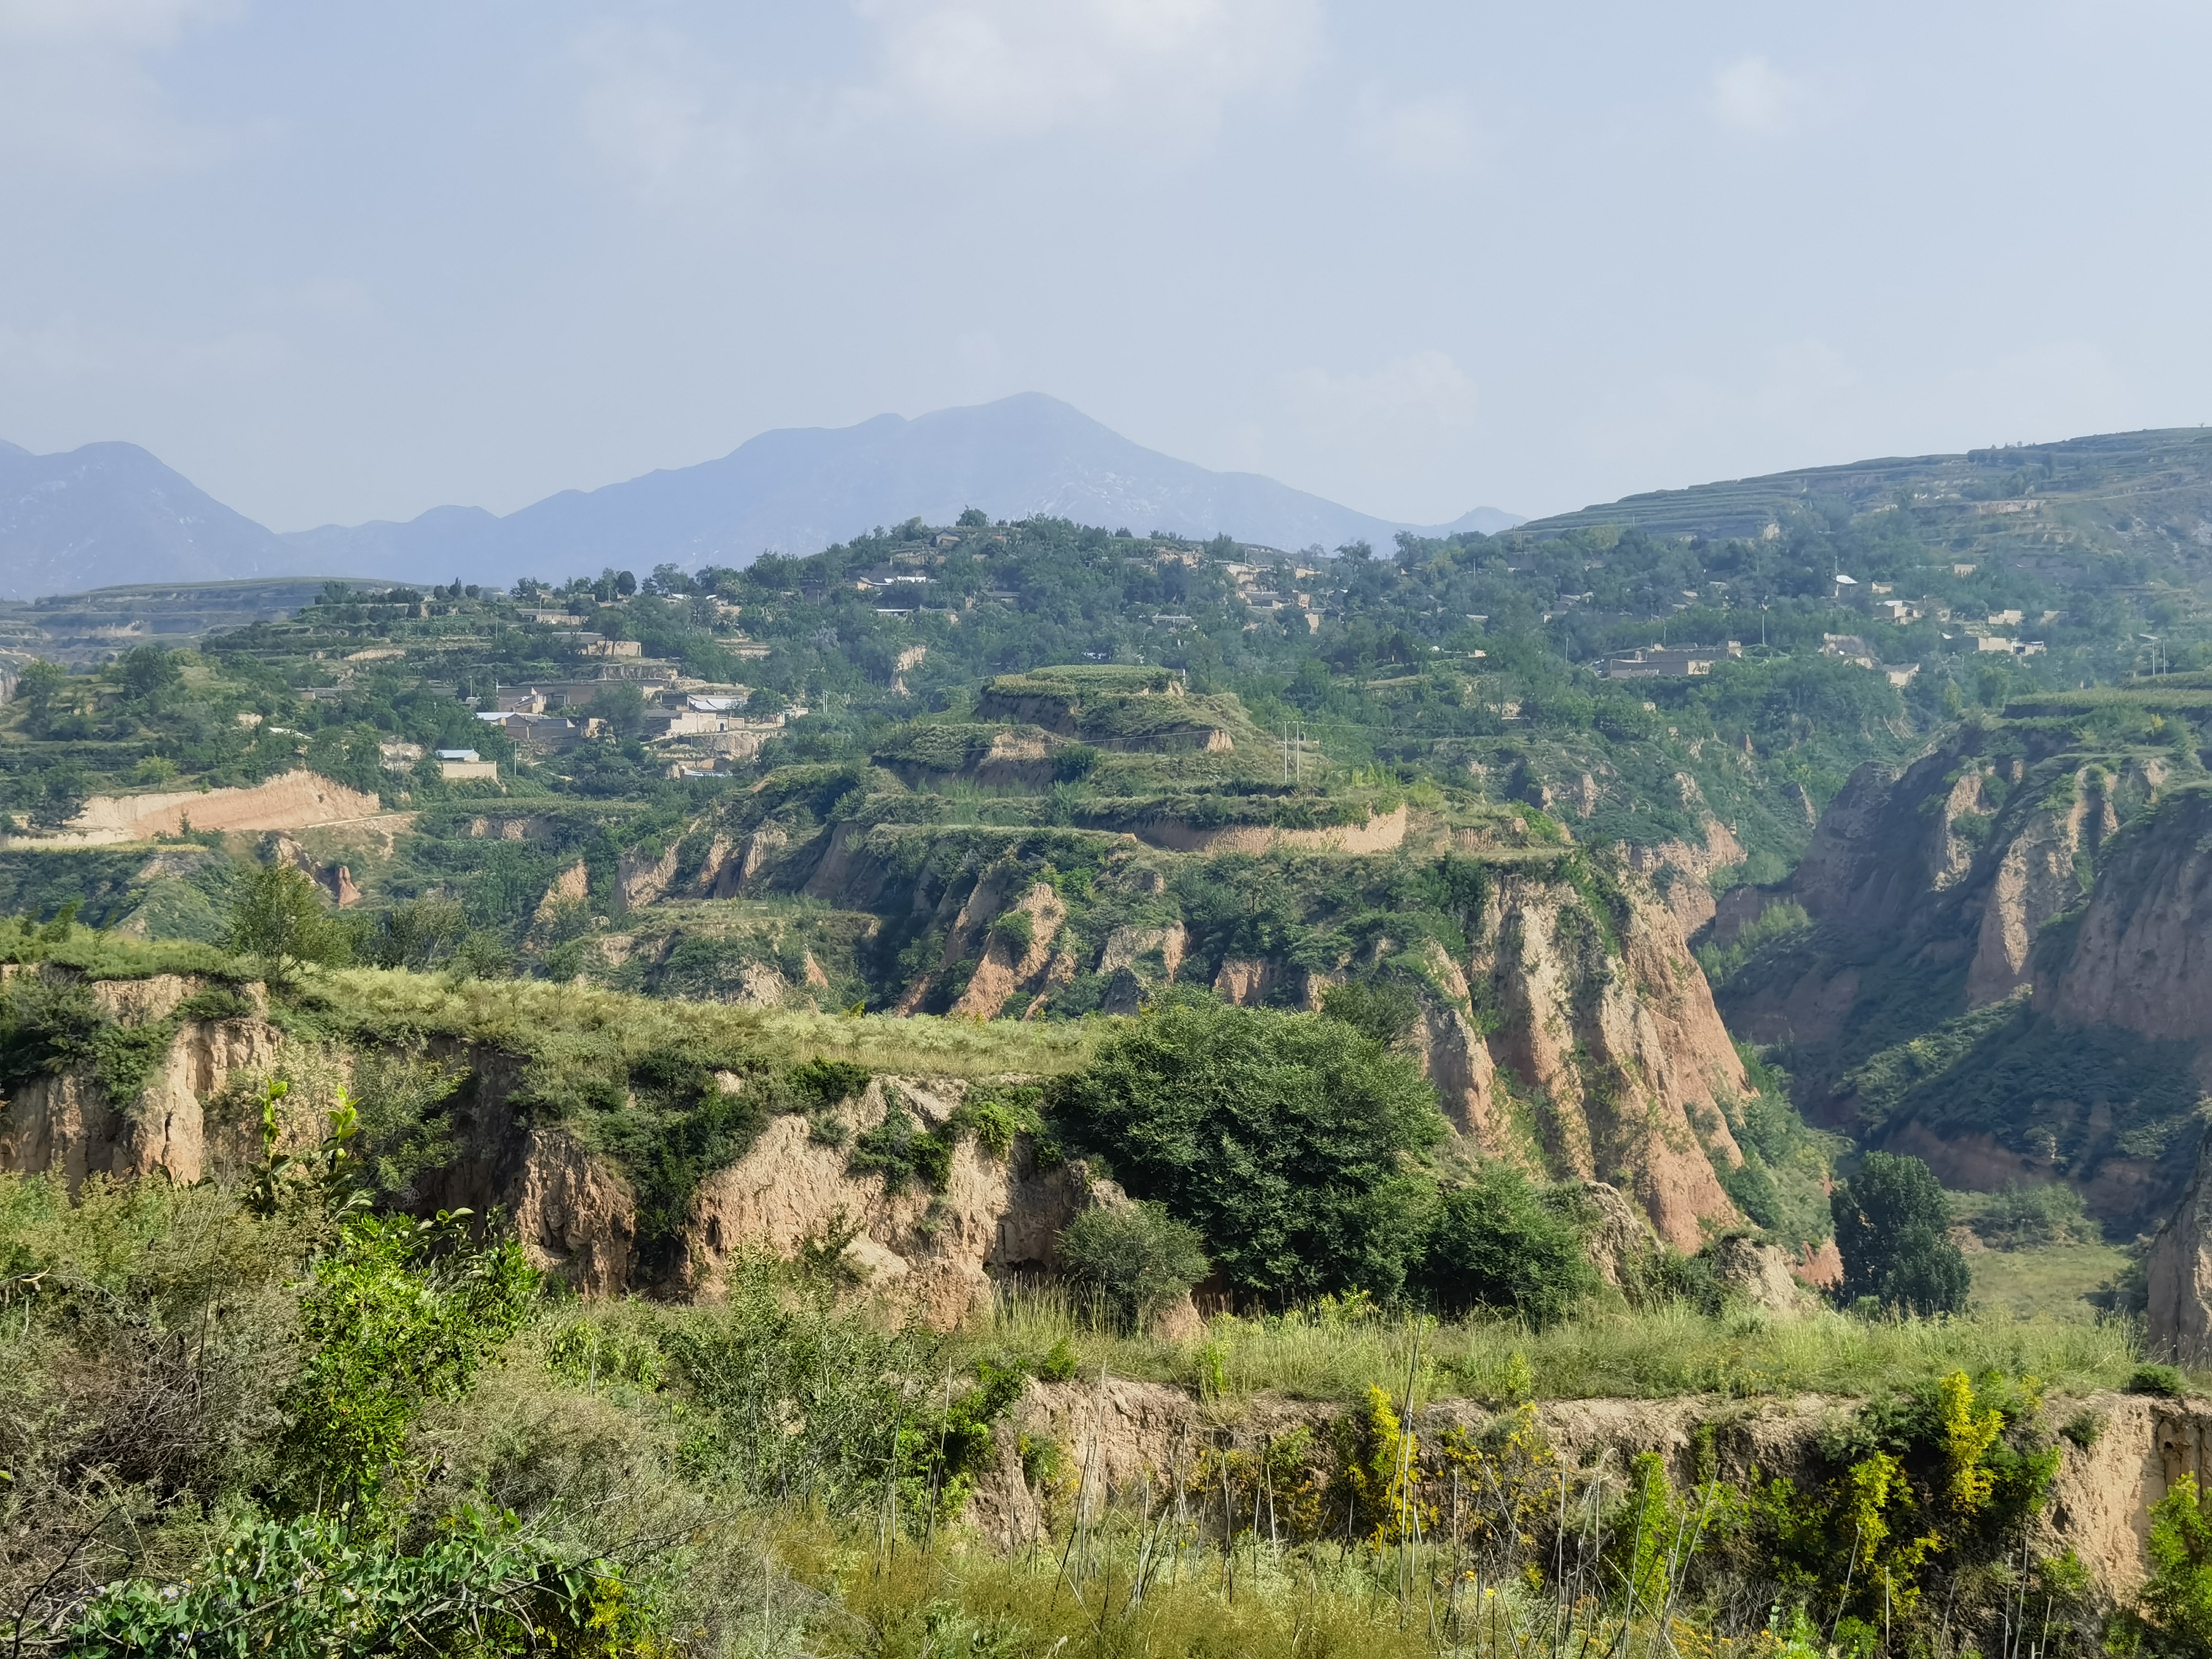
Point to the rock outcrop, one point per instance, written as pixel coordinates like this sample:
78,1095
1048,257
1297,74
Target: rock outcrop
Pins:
2178,1317
297,800
65,1125
1958,886
1123,1441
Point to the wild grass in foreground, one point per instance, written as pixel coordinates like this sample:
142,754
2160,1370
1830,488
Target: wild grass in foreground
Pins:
1337,1351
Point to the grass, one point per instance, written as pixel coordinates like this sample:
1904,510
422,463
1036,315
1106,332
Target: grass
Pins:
520,1014
1337,1354
2045,1283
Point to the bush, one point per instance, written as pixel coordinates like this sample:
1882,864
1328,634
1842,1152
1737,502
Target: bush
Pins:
2165,1381
1282,1138
1891,1221
2024,1217
1382,1011
2176,1601
1501,1242
1139,1259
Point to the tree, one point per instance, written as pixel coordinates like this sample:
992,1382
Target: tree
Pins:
1138,1258
1892,1222
974,518
1281,1137
1502,1242
625,584
1383,1010
42,689
277,916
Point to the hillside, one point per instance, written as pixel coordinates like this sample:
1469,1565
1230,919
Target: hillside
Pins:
1005,1059
1996,962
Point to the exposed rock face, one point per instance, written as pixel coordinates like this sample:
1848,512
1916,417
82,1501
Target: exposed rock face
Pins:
2179,1319
1007,967
2035,880
576,1218
1683,870
1759,1274
65,1125
294,801
2142,957
1121,1440
1620,1235
937,1253
1379,834
640,878
1623,1054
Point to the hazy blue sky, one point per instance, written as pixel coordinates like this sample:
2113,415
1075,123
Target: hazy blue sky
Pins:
342,260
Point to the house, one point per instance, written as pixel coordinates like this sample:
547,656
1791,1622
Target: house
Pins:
549,733
2005,619
520,700
946,539
454,763
550,618
1659,664
1899,611
397,757
615,648
1993,643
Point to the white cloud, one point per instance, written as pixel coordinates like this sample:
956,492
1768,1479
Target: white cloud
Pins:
77,94
1752,95
1009,68
1415,135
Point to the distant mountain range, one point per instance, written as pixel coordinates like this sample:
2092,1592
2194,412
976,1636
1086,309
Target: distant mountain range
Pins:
110,513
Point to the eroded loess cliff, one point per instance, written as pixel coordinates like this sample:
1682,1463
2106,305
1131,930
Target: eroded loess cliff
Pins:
1129,1441
1564,1024
2005,968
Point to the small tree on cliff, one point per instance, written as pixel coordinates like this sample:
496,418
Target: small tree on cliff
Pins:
278,916
1892,1222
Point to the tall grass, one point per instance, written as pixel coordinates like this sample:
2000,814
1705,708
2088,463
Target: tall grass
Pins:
526,1014
1339,1352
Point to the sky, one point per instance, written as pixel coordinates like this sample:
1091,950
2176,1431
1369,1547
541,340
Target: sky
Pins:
336,262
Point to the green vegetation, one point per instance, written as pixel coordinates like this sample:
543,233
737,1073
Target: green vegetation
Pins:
1138,1261
1891,1221
1283,1140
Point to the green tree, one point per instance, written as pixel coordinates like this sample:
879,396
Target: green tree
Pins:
1284,1138
42,689
1140,1260
1892,1222
1381,1010
402,1313
278,916
1502,1242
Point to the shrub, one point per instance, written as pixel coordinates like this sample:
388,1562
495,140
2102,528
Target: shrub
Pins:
1379,1009
2024,1217
1891,1220
1138,1258
1282,1138
1501,1242
401,1313
2165,1381
2176,1601
901,1152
